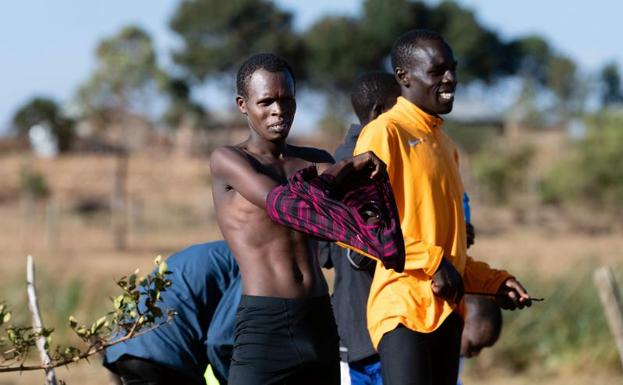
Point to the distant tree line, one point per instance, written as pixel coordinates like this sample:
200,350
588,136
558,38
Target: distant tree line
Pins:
217,35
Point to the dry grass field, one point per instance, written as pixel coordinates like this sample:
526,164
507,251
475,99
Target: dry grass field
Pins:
170,207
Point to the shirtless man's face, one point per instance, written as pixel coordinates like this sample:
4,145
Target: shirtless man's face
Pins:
270,104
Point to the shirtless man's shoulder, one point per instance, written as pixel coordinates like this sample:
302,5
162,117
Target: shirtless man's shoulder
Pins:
233,159
311,154
227,153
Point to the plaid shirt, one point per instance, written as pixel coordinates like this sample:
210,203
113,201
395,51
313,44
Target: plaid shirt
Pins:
312,204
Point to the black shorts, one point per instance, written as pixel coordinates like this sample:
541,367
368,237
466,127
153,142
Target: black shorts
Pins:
285,341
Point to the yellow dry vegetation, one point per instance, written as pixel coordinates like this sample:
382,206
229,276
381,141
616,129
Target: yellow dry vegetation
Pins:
170,207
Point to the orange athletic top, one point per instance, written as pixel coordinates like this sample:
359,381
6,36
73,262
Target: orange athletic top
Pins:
422,163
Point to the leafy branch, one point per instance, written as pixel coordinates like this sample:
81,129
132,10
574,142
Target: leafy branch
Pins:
136,312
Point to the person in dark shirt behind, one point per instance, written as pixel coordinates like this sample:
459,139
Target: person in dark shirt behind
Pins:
372,94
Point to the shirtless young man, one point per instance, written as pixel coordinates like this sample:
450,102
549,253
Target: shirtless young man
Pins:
285,330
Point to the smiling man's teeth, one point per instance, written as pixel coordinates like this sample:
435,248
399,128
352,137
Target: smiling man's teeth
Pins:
446,95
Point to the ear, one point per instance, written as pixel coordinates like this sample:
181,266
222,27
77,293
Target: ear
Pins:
242,104
376,110
402,77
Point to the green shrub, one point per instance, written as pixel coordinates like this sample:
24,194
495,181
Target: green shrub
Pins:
501,171
593,172
471,139
568,329
33,184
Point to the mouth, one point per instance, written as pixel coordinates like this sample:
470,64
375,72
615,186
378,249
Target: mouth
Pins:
446,96
279,126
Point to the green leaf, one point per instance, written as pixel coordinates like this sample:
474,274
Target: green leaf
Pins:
97,325
118,301
132,281
162,268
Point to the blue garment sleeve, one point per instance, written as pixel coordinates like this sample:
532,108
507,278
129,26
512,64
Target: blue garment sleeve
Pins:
467,212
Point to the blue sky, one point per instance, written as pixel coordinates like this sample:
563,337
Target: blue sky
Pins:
47,47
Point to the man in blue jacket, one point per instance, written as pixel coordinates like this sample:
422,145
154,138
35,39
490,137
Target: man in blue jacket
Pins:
205,293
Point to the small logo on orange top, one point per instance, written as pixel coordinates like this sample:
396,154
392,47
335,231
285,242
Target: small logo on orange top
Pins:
414,142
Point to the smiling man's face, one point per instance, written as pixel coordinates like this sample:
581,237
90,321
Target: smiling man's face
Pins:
431,80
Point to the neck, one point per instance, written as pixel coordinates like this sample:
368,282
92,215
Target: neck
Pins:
407,96
263,147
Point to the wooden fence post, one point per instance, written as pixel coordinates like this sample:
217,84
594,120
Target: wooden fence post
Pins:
611,301
50,376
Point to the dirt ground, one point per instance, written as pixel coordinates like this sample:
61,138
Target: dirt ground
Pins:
94,374
170,207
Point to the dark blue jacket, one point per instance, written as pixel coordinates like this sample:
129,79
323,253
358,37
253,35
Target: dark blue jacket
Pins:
205,292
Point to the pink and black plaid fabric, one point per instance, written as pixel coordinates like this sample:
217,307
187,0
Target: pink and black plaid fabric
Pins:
312,204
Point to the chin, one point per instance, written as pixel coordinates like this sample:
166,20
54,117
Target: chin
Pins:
279,137
445,108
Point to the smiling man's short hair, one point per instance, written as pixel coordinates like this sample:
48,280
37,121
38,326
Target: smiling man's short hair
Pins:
404,47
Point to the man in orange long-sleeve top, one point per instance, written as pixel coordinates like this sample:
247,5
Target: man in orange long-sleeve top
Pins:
415,317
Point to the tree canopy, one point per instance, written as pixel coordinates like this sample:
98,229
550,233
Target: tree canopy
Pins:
41,110
335,53
610,79
218,35
126,72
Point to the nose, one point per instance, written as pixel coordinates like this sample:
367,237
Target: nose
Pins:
278,109
449,76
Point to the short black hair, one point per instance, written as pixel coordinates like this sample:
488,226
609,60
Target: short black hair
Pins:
405,45
483,309
266,61
370,89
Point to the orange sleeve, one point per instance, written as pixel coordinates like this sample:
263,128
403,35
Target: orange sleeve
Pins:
479,276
